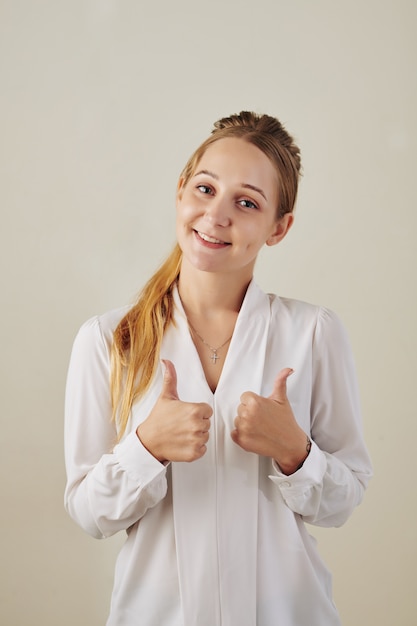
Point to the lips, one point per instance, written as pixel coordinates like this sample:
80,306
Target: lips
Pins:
209,239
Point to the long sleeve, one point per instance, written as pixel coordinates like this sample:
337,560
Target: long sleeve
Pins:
334,476
109,487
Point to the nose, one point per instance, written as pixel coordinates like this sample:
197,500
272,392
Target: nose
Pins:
218,211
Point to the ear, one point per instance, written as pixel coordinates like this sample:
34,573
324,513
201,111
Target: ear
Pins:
180,187
281,228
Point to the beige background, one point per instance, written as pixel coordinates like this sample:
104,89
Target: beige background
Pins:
101,103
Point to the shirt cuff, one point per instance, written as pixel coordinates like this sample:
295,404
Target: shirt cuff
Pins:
137,461
311,472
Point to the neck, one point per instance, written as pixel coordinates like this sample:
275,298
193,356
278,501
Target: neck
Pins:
207,294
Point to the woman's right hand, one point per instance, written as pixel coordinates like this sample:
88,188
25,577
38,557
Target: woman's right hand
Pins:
175,430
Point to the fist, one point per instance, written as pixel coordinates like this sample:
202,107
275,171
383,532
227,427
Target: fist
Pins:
175,430
267,426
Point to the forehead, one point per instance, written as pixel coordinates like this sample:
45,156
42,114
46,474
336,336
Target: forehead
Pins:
240,161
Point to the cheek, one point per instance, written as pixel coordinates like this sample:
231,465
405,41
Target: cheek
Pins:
180,212
185,216
253,237
255,244
185,207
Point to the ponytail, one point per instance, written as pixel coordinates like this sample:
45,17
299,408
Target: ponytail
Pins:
137,340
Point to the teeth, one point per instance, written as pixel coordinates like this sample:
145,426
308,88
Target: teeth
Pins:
209,239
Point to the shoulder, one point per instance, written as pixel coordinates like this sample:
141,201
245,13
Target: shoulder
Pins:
320,319
292,308
295,307
100,328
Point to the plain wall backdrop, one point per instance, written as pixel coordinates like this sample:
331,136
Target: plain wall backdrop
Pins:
101,103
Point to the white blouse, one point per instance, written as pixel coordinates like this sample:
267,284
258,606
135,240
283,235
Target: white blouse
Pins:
221,541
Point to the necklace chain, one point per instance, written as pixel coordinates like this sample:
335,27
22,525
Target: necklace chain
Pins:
214,356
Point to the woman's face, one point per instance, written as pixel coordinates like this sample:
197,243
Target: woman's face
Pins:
228,209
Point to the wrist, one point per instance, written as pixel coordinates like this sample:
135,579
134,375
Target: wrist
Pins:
307,452
146,444
296,462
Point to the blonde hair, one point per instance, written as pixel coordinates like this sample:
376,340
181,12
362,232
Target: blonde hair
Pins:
138,336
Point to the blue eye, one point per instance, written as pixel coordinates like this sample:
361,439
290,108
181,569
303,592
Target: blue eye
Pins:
248,204
204,189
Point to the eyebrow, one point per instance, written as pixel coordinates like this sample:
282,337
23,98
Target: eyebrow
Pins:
245,185
207,173
254,189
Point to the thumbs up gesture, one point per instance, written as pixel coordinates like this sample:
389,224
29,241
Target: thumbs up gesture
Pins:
267,426
175,430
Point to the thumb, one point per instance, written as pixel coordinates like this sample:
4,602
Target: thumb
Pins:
279,391
169,385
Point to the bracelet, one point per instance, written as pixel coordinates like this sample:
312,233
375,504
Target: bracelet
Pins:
308,448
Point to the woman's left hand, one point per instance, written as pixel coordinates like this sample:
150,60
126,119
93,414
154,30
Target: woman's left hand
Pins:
267,426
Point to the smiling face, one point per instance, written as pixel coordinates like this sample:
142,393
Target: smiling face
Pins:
227,210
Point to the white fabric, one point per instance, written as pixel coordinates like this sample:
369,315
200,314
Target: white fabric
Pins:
220,541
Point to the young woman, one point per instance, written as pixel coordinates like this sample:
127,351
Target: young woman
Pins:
211,420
